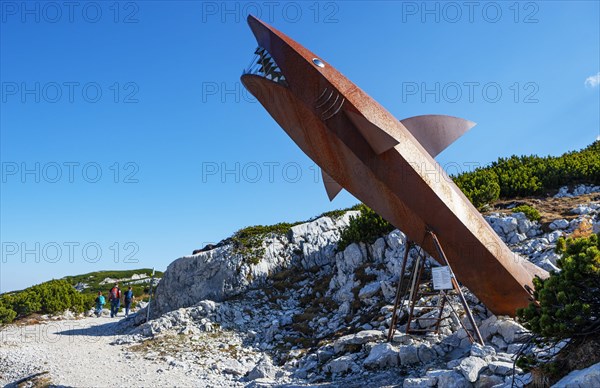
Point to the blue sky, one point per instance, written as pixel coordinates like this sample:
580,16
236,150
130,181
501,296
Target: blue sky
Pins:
127,139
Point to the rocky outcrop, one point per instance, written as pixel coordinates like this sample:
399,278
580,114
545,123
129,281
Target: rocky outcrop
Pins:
222,272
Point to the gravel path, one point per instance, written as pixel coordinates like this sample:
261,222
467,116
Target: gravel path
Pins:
78,353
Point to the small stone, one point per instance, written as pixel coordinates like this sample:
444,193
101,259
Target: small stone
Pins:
501,368
482,351
470,367
381,356
339,365
324,355
426,354
369,290
422,382
559,224
510,330
513,348
264,369
362,337
499,342
408,354
452,379
487,381
582,209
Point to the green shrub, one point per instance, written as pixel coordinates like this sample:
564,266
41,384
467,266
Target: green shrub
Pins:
519,176
25,302
7,315
567,308
56,296
569,300
481,186
561,245
367,227
51,297
249,241
530,212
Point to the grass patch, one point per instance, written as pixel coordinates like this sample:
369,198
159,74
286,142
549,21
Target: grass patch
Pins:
530,212
249,241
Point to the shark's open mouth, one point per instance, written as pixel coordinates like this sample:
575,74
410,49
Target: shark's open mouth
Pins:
264,65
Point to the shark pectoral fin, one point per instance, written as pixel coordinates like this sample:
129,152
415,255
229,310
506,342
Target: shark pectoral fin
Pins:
331,186
379,140
436,132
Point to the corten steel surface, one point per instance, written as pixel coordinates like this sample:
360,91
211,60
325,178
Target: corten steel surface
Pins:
386,163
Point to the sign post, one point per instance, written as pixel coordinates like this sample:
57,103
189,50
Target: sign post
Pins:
150,297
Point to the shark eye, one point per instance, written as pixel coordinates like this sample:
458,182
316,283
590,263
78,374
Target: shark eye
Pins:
318,62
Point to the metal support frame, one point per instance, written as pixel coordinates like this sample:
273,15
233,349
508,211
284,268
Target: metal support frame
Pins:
415,279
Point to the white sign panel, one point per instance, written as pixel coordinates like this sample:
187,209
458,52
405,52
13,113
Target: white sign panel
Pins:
441,278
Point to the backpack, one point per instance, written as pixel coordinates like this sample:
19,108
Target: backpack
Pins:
115,293
128,295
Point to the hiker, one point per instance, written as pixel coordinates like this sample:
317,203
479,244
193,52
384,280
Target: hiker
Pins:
128,300
115,300
100,301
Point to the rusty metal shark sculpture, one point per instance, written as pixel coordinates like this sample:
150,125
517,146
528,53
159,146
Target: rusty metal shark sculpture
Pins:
387,164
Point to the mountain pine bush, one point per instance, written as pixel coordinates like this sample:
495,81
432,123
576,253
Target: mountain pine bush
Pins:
519,176
569,300
52,297
530,212
565,320
367,227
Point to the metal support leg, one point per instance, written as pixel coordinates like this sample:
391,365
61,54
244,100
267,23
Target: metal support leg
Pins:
457,288
409,245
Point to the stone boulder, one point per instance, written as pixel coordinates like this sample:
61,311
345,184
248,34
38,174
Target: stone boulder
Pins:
340,365
510,330
584,378
470,367
360,338
264,369
381,356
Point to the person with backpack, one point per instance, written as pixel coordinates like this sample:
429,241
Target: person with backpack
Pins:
100,301
128,300
115,300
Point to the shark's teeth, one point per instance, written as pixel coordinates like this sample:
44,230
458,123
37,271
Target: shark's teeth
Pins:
264,65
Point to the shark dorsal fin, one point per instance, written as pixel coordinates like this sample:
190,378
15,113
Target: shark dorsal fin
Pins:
436,132
332,187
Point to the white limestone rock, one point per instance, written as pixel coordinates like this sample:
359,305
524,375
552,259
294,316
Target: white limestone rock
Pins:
369,290
263,369
482,351
340,365
584,378
559,224
360,338
408,354
470,367
502,368
381,356
420,382
510,330
452,379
